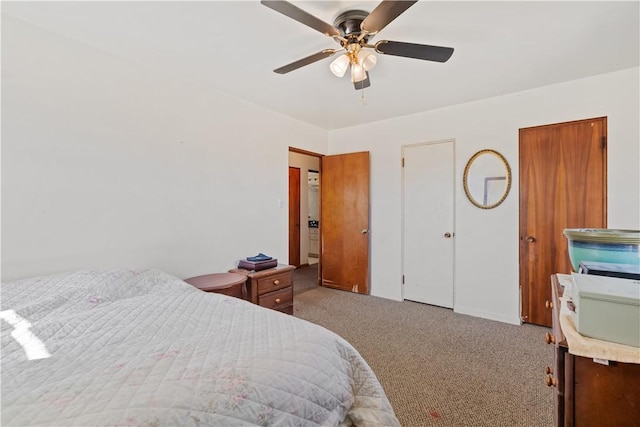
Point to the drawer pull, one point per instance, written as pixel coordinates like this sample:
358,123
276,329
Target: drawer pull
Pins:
276,282
548,304
549,338
278,300
550,381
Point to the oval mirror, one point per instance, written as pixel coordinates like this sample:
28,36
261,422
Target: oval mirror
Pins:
487,179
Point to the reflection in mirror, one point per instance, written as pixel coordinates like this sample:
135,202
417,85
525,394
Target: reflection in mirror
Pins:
487,179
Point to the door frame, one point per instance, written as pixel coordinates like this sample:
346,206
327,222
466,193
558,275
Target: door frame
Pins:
453,212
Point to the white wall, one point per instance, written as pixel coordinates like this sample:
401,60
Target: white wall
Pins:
106,164
305,163
486,245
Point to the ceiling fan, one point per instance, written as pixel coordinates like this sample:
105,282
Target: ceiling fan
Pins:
353,30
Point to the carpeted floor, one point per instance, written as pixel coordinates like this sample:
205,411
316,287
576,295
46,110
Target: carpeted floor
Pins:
305,278
437,367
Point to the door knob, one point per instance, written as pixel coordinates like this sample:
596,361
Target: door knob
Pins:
531,239
364,231
447,235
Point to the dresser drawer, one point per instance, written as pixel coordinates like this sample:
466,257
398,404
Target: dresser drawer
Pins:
271,288
274,282
276,299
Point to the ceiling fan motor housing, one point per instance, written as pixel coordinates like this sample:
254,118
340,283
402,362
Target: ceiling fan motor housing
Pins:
349,24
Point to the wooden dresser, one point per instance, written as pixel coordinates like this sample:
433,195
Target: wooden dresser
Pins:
585,392
270,288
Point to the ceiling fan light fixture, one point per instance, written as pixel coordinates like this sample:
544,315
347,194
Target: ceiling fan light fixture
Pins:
340,65
367,60
358,73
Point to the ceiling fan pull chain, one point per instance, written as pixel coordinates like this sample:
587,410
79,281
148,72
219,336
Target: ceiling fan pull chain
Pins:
362,100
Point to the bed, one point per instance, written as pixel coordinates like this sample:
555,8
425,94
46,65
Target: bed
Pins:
144,348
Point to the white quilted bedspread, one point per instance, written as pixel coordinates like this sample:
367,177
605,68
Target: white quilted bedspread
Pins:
144,348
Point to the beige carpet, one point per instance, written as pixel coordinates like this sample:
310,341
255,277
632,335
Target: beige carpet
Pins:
305,278
437,367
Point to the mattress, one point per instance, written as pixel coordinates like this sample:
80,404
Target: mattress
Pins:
142,347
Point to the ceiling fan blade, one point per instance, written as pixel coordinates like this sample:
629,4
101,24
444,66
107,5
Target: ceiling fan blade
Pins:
383,14
305,61
412,50
363,83
294,12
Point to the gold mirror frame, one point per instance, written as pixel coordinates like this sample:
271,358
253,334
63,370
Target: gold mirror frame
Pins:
465,179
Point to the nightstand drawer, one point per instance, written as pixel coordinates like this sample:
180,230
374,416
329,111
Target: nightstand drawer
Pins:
274,300
274,282
270,288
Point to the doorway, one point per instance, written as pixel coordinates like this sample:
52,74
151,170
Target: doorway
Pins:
343,227
563,184
428,185
302,246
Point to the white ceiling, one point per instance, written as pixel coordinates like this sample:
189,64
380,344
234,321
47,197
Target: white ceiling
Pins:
233,46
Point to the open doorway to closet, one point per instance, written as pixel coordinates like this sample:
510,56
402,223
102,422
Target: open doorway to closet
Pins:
304,218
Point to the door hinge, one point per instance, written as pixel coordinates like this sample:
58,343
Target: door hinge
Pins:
403,162
403,279
604,142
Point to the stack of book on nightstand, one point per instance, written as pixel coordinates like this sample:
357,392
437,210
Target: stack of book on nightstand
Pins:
258,262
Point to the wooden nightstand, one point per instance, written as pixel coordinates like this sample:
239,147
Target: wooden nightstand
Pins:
231,284
270,288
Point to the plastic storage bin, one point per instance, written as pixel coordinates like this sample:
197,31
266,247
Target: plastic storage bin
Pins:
608,308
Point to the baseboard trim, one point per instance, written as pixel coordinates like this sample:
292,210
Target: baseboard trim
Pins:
487,315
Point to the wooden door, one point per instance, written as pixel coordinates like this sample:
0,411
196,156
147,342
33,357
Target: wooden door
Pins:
294,216
563,184
428,183
344,222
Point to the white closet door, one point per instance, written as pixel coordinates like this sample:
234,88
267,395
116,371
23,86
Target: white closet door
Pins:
428,212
